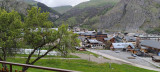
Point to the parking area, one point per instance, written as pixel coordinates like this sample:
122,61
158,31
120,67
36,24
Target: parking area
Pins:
148,59
125,55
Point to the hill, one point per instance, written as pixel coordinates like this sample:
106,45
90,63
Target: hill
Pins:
132,15
18,6
21,6
53,14
87,14
62,9
31,2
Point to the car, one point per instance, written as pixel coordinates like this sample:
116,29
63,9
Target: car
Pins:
80,48
117,51
134,55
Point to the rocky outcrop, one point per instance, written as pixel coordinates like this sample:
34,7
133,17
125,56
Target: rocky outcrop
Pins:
132,15
18,6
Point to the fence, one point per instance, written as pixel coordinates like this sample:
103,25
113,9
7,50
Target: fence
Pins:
30,66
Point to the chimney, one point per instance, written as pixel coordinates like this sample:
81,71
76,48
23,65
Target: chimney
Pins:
138,43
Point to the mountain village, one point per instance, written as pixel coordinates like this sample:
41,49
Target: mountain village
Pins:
132,47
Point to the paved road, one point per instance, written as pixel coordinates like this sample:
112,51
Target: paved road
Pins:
122,56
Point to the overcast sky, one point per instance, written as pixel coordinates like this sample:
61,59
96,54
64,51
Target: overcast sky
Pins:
55,3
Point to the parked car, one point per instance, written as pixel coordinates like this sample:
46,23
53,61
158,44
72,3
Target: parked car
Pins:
156,58
117,51
134,55
80,48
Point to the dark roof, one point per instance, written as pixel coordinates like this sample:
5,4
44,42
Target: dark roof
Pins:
100,33
151,43
118,39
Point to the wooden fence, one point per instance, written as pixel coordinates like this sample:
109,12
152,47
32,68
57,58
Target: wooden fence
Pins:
30,66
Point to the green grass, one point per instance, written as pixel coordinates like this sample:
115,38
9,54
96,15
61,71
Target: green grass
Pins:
68,56
90,53
80,65
87,52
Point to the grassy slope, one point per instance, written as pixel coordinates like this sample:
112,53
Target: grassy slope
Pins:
95,3
48,56
87,13
80,65
62,9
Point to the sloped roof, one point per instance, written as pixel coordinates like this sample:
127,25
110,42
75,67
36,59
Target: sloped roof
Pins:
87,33
118,39
82,38
95,41
79,32
122,45
151,43
108,38
129,38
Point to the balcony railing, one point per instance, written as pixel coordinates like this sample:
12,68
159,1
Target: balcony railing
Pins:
30,66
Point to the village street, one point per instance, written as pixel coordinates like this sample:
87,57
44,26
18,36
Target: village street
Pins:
123,56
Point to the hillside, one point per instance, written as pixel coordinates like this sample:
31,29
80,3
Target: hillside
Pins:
87,13
18,6
21,6
132,15
53,14
31,2
62,9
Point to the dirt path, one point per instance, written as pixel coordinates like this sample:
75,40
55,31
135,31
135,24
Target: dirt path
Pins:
115,58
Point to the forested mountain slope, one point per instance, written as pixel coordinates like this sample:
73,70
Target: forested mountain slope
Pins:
87,14
21,6
62,9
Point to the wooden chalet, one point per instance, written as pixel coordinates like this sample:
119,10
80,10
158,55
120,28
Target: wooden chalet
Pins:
101,36
93,43
151,46
111,39
122,47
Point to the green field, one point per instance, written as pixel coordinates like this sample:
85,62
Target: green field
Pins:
48,56
80,65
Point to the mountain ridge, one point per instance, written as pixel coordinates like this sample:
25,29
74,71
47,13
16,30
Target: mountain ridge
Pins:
21,6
